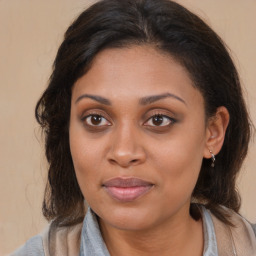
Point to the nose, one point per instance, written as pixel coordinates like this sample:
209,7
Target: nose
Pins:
126,147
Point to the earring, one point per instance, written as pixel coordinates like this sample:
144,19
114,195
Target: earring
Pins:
213,158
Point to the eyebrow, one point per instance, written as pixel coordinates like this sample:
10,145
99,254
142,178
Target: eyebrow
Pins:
143,101
97,98
153,98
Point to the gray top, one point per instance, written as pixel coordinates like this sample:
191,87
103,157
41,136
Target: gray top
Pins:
92,242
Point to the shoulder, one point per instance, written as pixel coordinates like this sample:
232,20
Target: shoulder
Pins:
240,237
58,241
34,246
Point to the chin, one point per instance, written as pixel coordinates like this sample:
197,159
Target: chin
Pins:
128,218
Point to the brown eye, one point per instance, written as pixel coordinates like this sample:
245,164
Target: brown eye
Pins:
157,120
160,120
96,120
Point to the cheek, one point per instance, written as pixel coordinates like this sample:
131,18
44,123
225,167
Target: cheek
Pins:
178,179
85,158
179,165
179,162
86,169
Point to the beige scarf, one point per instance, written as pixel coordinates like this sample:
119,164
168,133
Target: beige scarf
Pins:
235,241
232,241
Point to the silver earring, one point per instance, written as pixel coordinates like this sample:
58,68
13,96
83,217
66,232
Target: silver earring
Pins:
213,158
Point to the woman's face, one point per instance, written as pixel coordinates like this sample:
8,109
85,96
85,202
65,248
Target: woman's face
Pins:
137,137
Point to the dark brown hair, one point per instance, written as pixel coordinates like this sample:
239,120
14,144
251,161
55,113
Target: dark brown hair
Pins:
174,30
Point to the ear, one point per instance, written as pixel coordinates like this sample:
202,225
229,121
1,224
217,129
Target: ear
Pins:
215,132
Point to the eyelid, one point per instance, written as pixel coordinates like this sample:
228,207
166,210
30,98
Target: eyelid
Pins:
165,113
162,112
91,115
171,121
146,117
95,112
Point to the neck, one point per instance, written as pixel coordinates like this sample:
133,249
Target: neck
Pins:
180,236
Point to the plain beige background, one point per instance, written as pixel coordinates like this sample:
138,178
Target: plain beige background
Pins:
30,32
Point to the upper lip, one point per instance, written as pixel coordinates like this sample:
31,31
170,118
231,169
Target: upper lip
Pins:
126,182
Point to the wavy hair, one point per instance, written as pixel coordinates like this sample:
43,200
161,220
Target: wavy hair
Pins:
171,29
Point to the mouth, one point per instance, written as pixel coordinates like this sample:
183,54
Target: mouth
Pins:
127,189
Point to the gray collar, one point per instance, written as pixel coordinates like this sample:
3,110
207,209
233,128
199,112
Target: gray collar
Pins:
92,242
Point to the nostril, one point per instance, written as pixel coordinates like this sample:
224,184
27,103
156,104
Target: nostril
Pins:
112,161
124,162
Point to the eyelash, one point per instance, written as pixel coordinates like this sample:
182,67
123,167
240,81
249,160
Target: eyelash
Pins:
97,115
164,117
87,120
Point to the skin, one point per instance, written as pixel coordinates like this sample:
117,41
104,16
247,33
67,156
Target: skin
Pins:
126,143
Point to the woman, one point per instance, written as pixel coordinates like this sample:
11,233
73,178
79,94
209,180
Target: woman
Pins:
146,130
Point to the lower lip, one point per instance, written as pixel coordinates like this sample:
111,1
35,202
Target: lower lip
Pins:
127,194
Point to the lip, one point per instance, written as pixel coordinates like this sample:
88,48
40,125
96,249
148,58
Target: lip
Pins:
127,189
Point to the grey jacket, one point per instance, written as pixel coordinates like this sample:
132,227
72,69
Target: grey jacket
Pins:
85,239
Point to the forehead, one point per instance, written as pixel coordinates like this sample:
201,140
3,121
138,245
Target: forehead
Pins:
133,72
